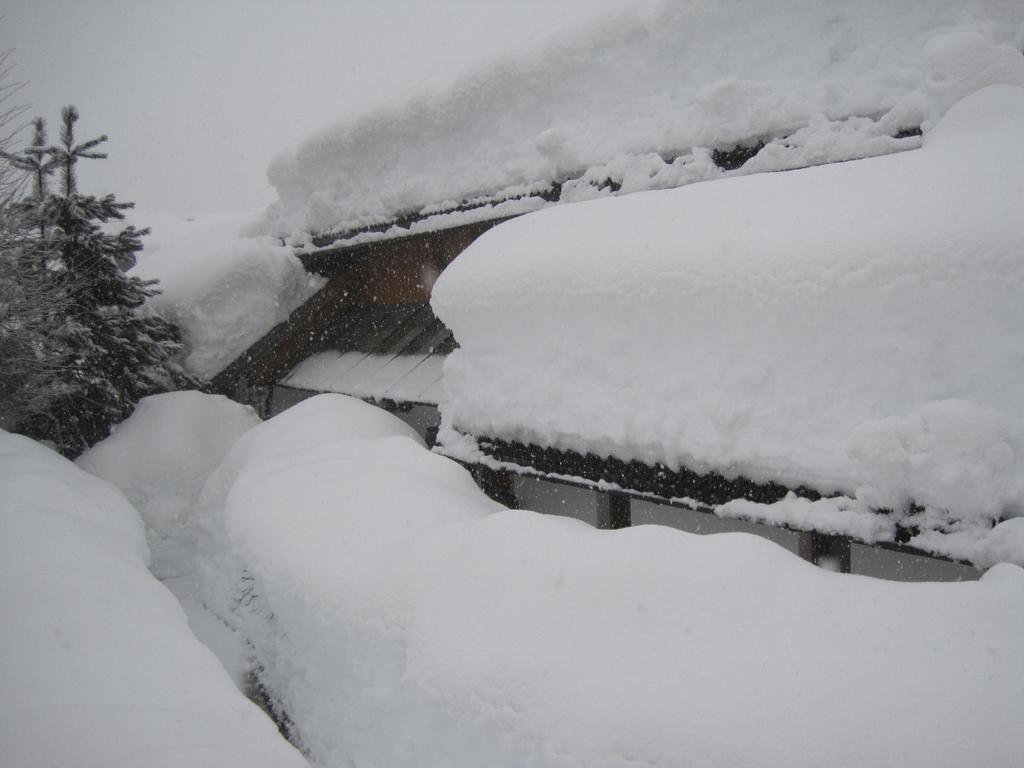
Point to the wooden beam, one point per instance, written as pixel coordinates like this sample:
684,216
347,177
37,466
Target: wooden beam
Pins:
497,484
438,247
832,552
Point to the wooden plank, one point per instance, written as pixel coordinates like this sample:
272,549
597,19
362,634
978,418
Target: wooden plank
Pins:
410,328
352,323
388,328
430,334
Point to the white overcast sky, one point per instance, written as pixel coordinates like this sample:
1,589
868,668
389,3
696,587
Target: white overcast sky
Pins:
197,97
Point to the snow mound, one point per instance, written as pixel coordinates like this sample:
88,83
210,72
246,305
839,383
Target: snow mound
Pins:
98,666
161,456
851,327
651,91
306,579
402,619
314,421
224,290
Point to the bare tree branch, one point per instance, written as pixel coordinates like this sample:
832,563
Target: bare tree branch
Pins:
11,124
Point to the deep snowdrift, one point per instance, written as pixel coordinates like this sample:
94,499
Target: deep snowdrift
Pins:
853,326
222,288
402,619
97,664
634,99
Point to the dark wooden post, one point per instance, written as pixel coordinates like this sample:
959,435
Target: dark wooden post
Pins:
258,396
829,551
613,510
497,484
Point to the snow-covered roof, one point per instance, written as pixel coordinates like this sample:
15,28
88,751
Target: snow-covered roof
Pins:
853,327
402,378
641,100
379,352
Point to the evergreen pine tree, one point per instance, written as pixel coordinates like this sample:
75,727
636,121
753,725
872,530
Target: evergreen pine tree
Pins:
115,352
32,304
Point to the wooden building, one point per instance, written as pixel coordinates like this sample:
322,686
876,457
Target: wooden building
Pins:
370,333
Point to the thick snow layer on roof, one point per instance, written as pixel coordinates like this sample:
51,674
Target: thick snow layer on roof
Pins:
631,98
97,664
403,619
223,289
852,326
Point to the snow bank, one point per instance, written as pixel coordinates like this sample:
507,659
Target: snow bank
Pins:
223,289
402,619
97,665
641,97
852,327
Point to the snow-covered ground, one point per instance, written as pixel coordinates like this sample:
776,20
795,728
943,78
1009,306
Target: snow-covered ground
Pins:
852,327
97,663
642,96
396,616
401,618
221,285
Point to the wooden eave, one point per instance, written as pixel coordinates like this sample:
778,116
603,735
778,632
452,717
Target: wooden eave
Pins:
363,281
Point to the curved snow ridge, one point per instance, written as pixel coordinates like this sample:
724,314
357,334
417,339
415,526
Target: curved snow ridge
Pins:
852,327
403,619
661,81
